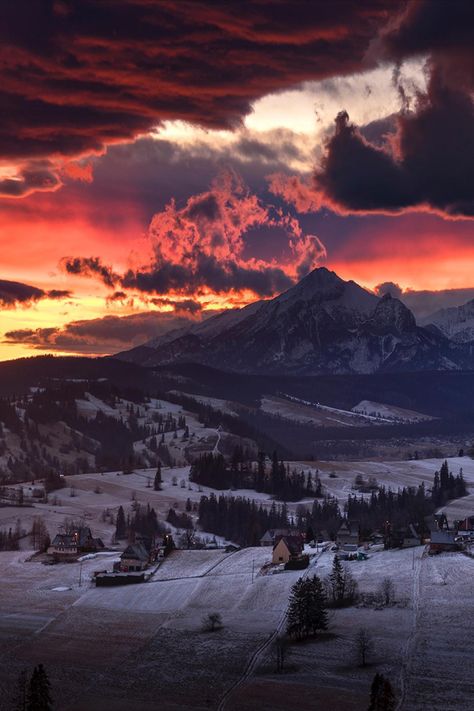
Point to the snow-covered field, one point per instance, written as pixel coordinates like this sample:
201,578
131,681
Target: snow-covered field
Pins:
390,474
119,648
153,631
388,412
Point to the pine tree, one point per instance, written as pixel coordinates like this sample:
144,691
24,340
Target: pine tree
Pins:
382,697
307,608
158,479
317,613
336,581
38,695
296,610
120,525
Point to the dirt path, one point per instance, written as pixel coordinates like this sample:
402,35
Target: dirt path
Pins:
410,644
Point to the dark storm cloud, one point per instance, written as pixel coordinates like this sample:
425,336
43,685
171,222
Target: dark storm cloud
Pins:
428,162
186,306
102,335
208,272
33,177
431,166
430,27
80,75
388,287
14,293
90,266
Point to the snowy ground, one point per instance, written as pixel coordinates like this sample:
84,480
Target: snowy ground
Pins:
121,648
389,412
420,645
142,642
390,474
117,489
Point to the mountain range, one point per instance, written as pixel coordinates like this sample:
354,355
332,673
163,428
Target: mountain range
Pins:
456,323
322,325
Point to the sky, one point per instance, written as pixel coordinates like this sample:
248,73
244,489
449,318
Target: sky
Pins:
162,161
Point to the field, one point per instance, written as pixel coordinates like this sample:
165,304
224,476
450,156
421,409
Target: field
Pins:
122,648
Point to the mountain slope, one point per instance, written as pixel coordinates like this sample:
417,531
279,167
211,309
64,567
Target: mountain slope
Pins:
321,325
456,323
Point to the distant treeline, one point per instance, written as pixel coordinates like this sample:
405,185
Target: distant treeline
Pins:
238,519
239,473
385,511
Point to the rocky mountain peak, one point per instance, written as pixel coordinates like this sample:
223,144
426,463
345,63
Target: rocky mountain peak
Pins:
391,316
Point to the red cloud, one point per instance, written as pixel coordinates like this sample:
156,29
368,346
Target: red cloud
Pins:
77,77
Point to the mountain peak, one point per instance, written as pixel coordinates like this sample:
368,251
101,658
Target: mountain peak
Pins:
391,315
324,286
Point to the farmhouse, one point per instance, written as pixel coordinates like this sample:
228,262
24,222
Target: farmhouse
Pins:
285,549
443,541
348,533
268,538
77,541
134,558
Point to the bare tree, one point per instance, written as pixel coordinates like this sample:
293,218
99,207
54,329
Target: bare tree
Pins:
444,575
363,645
387,591
212,622
282,650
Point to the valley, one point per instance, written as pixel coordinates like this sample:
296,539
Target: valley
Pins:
358,458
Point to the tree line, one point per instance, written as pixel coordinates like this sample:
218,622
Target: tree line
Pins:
239,473
239,519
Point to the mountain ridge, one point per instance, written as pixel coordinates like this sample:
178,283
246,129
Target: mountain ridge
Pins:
322,324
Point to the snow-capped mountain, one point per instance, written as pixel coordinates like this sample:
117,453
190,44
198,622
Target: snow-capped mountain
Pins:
456,323
321,325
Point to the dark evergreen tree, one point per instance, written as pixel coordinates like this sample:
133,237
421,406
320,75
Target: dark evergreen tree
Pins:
158,479
307,612
39,695
120,525
382,697
336,581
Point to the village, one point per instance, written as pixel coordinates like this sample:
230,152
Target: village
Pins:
185,576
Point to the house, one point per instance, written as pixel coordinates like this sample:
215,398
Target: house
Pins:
443,541
271,536
349,532
466,525
75,542
410,537
286,548
407,537
134,558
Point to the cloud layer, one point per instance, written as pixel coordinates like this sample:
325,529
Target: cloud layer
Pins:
78,76
14,293
99,336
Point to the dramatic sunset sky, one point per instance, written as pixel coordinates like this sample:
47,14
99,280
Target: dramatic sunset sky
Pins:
161,159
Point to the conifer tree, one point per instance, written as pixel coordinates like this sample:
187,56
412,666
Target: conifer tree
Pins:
120,525
158,479
336,581
382,697
307,608
38,695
